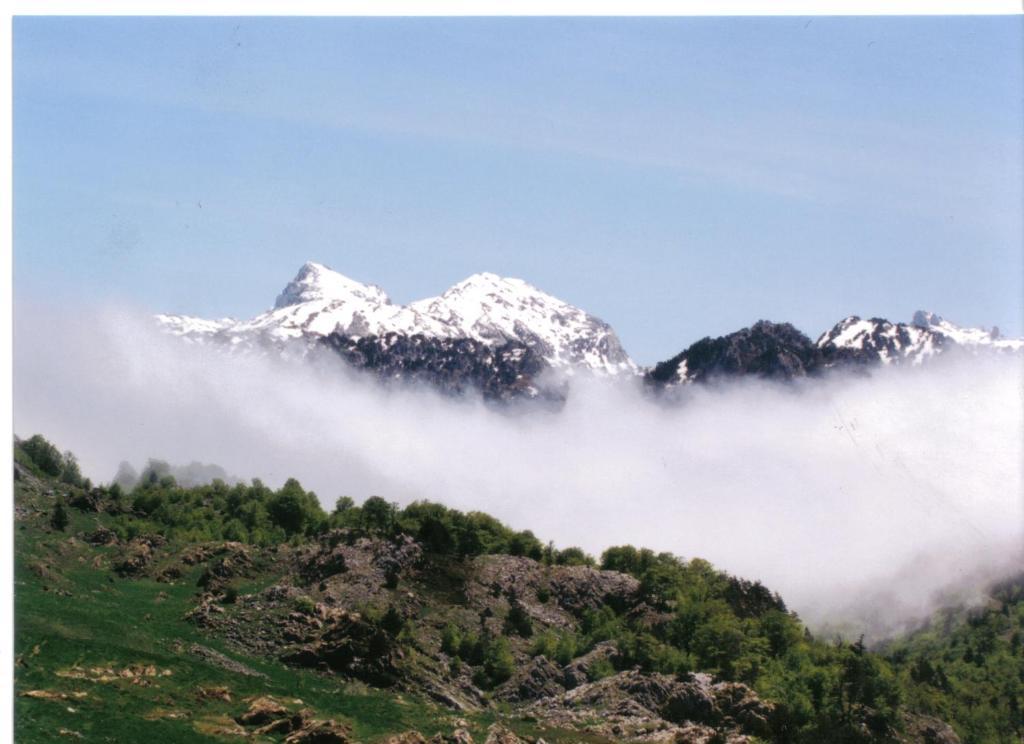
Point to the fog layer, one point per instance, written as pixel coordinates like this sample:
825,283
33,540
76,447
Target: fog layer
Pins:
860,499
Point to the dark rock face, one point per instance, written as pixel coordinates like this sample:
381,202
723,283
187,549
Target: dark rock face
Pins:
767,350
453,365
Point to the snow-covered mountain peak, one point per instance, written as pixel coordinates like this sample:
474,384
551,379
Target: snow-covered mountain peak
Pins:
966,336
484,307
316,282
490,308
485,281
926,335
486,291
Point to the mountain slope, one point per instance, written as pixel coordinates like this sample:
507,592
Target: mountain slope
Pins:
213,612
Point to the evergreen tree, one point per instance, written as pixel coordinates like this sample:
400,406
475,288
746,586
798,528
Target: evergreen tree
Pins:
59,517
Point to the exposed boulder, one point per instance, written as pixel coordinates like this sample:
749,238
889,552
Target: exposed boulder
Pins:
262,710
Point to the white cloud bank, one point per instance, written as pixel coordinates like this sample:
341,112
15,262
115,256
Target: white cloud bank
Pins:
858,499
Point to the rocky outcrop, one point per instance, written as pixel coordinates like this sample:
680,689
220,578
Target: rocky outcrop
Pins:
630,703
353,571
550,596
228,561
137,555
351,646
217,659
922,729
261,711
267,716
540,678
582,670
102,536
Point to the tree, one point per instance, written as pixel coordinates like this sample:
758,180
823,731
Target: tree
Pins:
573,557
59,517
378,515
499,663
291,508
518,621
71,473
45,456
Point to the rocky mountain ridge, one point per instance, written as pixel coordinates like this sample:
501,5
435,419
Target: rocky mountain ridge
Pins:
485,308
779,351
500,336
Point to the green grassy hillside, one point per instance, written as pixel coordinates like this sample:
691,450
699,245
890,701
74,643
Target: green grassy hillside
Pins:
159,610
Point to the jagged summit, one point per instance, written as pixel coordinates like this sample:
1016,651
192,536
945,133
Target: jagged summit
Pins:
316,282
484,307
779,351
928,334
924,319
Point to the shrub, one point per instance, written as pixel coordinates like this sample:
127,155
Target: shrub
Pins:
573,557
59,517
518,622
498,663
451,639
392,622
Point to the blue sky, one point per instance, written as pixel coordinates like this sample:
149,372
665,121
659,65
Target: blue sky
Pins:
676,177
